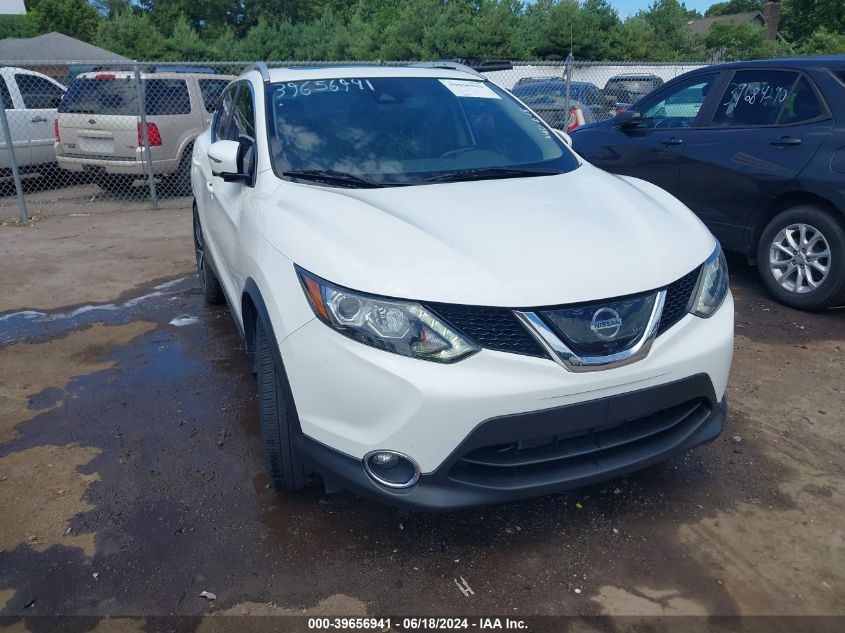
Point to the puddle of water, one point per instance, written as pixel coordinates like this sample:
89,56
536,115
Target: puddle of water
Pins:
29,324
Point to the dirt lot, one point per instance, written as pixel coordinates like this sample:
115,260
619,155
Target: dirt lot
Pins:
131,477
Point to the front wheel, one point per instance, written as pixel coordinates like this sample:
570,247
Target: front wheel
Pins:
801,258
179,182
278,418
209,283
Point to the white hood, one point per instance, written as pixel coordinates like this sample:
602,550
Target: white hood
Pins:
523,242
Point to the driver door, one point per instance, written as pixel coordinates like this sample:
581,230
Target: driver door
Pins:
229,197
653,149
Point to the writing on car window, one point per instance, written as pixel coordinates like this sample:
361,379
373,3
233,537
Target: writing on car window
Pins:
294,89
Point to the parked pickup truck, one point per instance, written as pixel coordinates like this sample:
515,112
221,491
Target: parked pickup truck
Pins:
30,100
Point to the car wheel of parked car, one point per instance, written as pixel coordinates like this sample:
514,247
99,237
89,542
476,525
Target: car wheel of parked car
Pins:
116,183
180,182
211,289
801,257
275,406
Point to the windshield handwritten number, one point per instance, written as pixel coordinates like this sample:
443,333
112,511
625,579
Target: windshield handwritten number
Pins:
293,89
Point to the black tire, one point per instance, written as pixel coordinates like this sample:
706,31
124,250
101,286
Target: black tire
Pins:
278,417
116,184
179,182
211,289
799,269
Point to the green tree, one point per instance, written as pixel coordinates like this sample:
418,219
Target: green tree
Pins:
185,43
634,39
670,21
110,8
17,26
322,39
131,34
496,32
823,42
726,42
586,28
734,6
802,18
76,18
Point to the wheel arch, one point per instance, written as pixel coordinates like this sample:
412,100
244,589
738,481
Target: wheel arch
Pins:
253,308
187,148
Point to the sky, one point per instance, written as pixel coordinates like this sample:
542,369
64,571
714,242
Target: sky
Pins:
630,7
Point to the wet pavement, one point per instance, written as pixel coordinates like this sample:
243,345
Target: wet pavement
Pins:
131,480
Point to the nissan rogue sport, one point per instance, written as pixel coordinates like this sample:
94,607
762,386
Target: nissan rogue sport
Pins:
443,305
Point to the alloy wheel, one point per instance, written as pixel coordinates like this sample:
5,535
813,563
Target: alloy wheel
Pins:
799,258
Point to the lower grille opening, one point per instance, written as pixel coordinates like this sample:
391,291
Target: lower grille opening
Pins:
556,458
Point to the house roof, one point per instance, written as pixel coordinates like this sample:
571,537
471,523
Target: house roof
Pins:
53,47
702,26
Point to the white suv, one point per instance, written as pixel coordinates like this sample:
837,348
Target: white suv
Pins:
444,305
98,129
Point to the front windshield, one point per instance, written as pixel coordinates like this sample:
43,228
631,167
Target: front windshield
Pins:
388,131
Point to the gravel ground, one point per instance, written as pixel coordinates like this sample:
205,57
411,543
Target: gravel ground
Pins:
131,475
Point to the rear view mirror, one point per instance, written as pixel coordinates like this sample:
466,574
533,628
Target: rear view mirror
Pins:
627,118
223,156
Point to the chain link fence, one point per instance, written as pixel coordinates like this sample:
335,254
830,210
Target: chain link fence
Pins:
112,136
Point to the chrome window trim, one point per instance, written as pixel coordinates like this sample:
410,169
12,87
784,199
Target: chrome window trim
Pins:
571,361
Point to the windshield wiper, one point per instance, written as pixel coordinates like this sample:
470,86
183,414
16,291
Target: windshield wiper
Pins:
331,177
489,173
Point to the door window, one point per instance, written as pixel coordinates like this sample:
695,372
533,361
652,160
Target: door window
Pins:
756,98
223,120
38,93
679,106
243,128
243,117
7,98
802,105
210,90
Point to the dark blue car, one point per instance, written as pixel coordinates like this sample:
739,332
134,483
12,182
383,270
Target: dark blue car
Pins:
757,150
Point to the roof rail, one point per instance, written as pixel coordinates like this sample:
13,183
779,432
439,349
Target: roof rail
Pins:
486,65
261,67
448,65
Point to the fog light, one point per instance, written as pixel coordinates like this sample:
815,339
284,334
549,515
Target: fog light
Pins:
391,469
385,460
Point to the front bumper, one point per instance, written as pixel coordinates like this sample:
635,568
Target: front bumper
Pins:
527,455
352,399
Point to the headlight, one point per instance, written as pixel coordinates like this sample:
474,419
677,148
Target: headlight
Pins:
402,327
712,285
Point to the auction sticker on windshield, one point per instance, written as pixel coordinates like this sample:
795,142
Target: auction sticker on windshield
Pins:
476,89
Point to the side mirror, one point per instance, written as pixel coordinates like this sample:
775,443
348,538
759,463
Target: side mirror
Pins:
627,118
223,156
610,100
564,137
